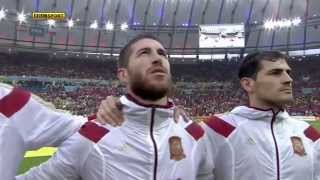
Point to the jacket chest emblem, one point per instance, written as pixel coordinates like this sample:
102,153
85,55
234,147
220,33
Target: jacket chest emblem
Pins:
297,146
176,148
251,141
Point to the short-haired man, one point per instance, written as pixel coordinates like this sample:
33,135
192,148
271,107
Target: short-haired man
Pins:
145,146
255,141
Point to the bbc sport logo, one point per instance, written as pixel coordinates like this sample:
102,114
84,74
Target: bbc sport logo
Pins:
48,15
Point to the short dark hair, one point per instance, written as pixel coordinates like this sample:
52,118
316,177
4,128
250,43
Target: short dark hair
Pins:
251,64
126,50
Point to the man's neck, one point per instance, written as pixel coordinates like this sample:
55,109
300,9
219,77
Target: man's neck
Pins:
260,105
163,101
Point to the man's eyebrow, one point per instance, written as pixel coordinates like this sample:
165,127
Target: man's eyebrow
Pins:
143,49
278,70
163,50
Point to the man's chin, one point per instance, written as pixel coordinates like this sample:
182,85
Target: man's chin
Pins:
151,87
158,83
151,95
159,80
287,101
151,92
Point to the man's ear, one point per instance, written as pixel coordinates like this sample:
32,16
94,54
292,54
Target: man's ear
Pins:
122,74
247,84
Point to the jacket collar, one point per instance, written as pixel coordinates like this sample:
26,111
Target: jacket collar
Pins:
131,98
139,115
254,113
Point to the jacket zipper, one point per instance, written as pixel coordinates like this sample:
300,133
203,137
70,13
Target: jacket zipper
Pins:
154,145
276,146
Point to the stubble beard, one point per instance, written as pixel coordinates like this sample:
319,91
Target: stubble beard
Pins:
141,87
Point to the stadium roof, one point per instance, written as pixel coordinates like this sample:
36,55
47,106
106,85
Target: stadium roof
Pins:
104,26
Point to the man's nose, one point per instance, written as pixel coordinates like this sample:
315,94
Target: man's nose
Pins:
157,59
287,78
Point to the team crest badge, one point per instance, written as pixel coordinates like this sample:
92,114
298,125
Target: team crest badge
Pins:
297,146
176,149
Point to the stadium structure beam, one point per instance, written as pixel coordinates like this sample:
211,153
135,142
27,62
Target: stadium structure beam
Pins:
305,25
69,17
177,51
16,23
37,4
289,29
133,12
115,21
203,16
189,23
263,12
233,12
161,17
274,31
102,18
146,13
204,11
174,19
54,6
247,24
86,10
220,12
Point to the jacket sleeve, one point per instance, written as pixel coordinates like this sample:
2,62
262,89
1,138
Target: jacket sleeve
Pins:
316,170
206,166
220,148
38,125
11,151
93,166
26,124
66,164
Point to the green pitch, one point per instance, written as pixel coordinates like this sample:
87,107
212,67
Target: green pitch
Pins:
44,154
34,158
30,162
316,124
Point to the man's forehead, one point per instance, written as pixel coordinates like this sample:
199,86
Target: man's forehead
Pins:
278,64
146,43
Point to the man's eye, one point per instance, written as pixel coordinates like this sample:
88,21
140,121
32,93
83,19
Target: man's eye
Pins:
144,52
289,73
163,54
276,72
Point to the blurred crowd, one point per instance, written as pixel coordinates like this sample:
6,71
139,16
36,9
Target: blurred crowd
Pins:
203,88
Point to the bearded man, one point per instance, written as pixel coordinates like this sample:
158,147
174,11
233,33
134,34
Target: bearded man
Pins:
142,148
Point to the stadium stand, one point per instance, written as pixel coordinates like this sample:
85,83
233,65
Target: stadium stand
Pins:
204,88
